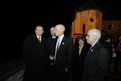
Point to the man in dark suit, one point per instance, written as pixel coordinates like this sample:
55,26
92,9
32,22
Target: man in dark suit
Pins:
35,55
51,41
64,54
107,43
97,61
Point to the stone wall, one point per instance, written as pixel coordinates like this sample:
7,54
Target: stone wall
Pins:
17,76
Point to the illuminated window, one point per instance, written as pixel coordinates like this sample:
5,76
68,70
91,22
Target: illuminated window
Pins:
83,29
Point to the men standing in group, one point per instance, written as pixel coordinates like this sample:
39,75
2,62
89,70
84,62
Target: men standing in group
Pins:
51,41
35,55
64,54
97,61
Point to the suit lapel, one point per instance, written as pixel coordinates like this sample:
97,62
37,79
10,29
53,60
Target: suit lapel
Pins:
62,43
93,48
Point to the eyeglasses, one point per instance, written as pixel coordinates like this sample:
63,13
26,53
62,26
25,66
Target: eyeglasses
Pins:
89,35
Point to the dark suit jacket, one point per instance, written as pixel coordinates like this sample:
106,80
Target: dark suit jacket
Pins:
97,63
65,55
51,43
36,58
108,46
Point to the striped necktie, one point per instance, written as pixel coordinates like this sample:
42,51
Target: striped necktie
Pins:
57,47
58,43
90,48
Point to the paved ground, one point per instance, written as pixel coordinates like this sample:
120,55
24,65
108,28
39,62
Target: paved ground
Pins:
14,63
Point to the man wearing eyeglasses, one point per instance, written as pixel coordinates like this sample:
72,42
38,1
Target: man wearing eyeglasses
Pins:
97,61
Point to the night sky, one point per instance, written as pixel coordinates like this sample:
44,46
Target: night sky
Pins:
20,18
26,15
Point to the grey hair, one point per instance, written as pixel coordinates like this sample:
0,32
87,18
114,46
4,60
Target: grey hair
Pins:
96,32
62,27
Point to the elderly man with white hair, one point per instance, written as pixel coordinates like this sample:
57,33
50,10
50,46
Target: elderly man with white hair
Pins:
64,54
97,61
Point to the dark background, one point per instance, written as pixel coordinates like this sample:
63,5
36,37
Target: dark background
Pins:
19,18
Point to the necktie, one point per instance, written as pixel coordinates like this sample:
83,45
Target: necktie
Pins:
58,43
57,47
39,38
90,48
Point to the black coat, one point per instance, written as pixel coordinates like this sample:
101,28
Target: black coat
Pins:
51,43
36,58
108,46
